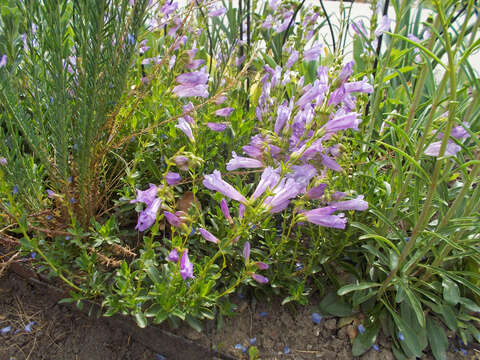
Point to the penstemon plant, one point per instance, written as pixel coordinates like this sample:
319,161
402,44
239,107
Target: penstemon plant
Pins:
159,157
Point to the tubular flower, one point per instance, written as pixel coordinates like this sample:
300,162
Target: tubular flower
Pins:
147,217
208,236
186,267
268,179
323,217
357,204
215,182
172,219
147,196
239,162
173,178
246,251
185,127
259,278
225,211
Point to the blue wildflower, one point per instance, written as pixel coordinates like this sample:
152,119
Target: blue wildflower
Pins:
316,318
33,255
160,357
463,351
286,350
15,190
263,314
361,328
72,200
240,347
400,336
68,237
28,327
70,179
192,231
131,39
375,347
253,341
5,329
49,217
298,266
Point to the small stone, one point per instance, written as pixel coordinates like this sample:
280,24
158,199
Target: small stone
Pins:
351,332
331,324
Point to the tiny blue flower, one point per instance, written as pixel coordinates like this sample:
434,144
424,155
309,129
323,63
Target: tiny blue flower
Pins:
131,39
361,328
407,239
49,217
28,327
160,357
263,314
463,351
15,190
132,139
5,329
253,227
51,99
253,341
298,266
192,231
400,336
68,237
33,255
375,347
454,348
316,318
72,200
286,350
240,347
111,86
70,179
16,332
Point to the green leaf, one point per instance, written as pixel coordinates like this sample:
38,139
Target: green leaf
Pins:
437,339
364,341
140,319
333,305
194,323
449,317
451,294
469,304
356,287
153,274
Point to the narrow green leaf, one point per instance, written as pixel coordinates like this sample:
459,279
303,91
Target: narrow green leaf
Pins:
140,319
356,287
437,339
451,294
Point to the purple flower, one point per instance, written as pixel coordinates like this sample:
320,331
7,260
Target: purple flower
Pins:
147,196
171,62
28,327
457,132
225,211
243,162
259,278
172,219
173,256
268,179
346,71
241,211
208,236
287,189
186,267
193,78
3,60
313,53
5,330
357,204
434,149
261,265
221,99
267,24
383,26
317,90
225,112
147,217
292,59
185,127
316,192
338,195
181,162
219,127
330,163
173,178
215,182
192,84
342,121
359,86
246,251
3,161
323,217
283,114
359,28
337,96
361,328
219,10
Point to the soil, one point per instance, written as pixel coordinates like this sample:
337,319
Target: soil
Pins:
60,332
